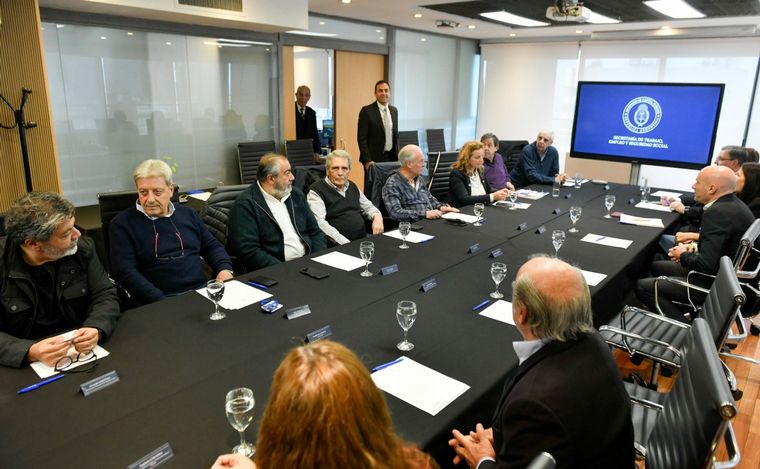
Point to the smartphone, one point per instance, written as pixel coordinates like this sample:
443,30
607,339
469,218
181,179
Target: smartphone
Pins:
261,280
314,273
415,227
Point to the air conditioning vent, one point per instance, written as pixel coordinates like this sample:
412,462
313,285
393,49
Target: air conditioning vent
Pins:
229,5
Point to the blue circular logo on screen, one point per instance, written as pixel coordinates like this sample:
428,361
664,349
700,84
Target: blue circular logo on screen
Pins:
642,115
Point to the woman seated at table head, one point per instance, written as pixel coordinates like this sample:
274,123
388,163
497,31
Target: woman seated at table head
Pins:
324,410
748,186
467,183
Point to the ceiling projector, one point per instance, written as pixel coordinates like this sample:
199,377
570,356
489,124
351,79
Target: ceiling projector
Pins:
570,11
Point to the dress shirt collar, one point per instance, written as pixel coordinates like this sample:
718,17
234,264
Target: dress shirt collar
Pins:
709,204
525,348
269,197
343,188
142,210
381,107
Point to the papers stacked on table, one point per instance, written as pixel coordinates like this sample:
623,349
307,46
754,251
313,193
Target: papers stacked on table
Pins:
500,310
607,241
570,183
412,237
671,195
641,221
418,385
653,206
530,194
593,278
459,216
340,261
506,203
238,295
44,371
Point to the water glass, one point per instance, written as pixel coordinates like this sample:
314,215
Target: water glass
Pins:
558,237
403,228
575,215
498,272
577,180
512,200
555,187
644,189
239,408
366,250
609,202
406,313
215,291
478,209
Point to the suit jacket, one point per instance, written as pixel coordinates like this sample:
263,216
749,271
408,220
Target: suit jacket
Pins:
723,225
460,190
566,399
371,134
306,127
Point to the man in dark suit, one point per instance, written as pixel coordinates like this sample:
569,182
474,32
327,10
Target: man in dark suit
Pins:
306,118
725,218
566,396
378,128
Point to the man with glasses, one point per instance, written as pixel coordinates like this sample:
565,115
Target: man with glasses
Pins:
339,206
51,281
158,248
538,163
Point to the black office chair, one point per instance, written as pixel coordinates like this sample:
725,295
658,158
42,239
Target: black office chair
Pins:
510,151
661,339
683,428
300,152
435,140
2,224
407,137
439,169
216,212
374,180
249,155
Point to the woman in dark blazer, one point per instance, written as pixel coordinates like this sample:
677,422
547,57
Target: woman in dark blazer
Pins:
748,186
467,183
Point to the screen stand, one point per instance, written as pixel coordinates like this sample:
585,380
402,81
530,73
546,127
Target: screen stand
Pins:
635,171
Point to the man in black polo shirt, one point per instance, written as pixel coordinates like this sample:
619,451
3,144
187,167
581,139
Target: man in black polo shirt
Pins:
339,206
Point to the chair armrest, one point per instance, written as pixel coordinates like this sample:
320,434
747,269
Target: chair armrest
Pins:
651,315
676,281
633,335
732,448
646,403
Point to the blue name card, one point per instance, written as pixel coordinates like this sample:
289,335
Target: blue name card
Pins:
96,384
319,334
541,229
297,312
496,253
389,269
153,459
428,285
522,226
473,249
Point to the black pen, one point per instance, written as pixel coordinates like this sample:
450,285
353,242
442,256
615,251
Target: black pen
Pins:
40,384
386,365
254,284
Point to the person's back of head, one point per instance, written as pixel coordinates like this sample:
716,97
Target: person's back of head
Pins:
751,187
324,410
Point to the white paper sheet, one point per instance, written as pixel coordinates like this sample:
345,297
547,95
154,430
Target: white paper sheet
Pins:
569,182
531,195
340,261
44,371
238,295
500,310
200,195
413,237
418,385
653,206
593,278
674,195
460,216
641,221
506,203
607,241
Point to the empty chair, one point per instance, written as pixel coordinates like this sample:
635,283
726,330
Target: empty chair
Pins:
215,213
249,155
407,137
439,168
435,140
510,151
300,152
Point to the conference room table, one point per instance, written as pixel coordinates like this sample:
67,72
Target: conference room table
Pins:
175,365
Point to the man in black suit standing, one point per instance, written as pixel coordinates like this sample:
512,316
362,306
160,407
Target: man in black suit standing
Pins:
565,397
306,119
378,128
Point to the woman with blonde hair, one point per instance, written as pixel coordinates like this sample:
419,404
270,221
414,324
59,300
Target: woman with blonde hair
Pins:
324,411
467,182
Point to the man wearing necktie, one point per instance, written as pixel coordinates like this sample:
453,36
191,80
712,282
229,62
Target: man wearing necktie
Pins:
378,128
306,119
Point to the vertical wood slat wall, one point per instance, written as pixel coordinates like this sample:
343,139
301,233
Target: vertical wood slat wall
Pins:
22,65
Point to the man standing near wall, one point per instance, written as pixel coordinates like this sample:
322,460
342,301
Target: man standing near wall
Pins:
378,128
306,119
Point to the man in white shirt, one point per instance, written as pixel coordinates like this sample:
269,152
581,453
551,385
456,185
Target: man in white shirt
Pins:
270,221
339,206
378,128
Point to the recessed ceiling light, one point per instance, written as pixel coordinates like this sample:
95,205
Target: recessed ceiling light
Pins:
470,26
418,15
378,30
505,17
423,39
665,27
103,37
596,18
578,31
168,43
512,34
59,26
322,22
674,8
309,33
382,38
130,33
345,1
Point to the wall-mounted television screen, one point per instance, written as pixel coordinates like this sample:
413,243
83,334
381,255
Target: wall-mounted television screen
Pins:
664,124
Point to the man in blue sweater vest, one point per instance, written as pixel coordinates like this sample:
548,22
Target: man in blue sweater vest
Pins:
158,248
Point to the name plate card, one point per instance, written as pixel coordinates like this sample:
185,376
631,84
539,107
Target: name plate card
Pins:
389,269
606,187
568,196
96,384
319,334
541,229
473,249
556,211
496,253
522,226
153,459
631,201
297,312
428,285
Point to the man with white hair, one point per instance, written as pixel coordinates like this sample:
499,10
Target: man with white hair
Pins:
539,162
156,246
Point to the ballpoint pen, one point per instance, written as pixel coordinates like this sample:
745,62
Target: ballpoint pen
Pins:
480,305
40,384
600,238
257,285
386,365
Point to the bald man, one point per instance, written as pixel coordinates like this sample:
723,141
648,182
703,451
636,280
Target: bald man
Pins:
551,401
538,163
725,218
306,119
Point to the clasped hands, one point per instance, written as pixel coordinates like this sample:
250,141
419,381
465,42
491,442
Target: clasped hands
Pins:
473,447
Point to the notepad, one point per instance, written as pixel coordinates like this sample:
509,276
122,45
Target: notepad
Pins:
530,194
238,295
500,310
641,221
419,385
340,261
653,206
593,278
460,216
412,237
607,241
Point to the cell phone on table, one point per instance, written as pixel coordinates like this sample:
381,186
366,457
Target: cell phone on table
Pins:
266,281
415,227
314,273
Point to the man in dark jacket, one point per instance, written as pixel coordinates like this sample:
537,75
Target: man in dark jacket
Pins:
306,119
51,281
565,397
270,221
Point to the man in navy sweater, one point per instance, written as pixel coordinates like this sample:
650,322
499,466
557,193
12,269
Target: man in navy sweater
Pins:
157,248
538,163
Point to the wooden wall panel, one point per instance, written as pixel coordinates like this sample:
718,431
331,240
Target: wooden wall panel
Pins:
288,95
22,65
355,77
611,171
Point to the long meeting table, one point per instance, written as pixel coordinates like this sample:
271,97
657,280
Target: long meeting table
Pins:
175,365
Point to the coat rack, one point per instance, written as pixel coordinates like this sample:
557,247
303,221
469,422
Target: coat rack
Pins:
22,126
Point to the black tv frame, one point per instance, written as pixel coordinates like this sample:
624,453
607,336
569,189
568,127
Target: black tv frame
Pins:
636,159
